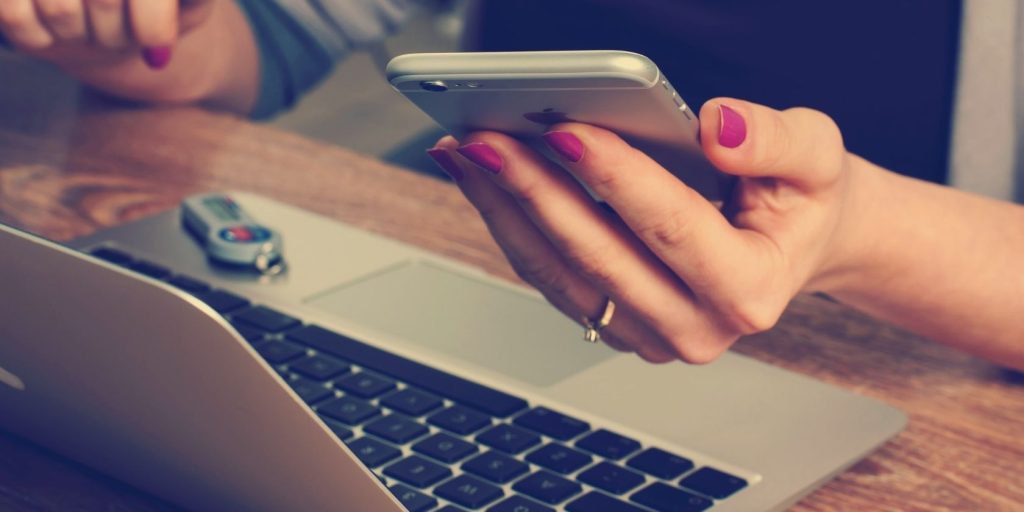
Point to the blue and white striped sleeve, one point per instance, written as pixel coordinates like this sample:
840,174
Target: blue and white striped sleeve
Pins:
300,41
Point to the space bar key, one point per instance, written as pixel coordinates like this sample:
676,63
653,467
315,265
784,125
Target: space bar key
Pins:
466,392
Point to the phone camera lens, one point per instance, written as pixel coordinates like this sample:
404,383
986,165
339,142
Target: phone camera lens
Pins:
434,86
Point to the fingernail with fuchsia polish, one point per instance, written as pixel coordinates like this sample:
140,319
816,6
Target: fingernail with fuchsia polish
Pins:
157,57
732,129
566,144
482,155
446,163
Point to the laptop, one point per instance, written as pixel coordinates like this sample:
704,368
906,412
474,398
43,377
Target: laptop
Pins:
375,376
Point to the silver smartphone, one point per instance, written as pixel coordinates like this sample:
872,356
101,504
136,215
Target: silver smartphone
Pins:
523,93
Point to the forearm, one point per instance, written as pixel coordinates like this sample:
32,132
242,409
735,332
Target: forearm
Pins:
216,65
940,262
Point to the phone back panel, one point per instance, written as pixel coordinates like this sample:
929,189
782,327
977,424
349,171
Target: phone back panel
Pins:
524,93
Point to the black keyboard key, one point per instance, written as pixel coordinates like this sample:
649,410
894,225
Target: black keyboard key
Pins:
365,385
280,351
251,334
319,367
659,463
559,458
339,430
458,389
597,502
222,301
547,487
266,319
496,467
608,444
445,448
417,471
348,410
552,424
450,508
309,391
396,428
612,478
188,284
413,500
460,420
516,503
412,402
372,452
150,269
113,256
469,491
712,482
665,498
508,438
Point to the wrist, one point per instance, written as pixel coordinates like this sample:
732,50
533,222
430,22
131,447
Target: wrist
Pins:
853,254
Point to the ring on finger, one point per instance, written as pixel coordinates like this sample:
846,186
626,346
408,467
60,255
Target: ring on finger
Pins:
592,328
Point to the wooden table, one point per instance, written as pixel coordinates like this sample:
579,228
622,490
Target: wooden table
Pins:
69,167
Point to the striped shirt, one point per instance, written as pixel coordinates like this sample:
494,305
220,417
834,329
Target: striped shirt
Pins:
301,40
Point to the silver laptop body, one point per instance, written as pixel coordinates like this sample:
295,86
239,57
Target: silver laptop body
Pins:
145,382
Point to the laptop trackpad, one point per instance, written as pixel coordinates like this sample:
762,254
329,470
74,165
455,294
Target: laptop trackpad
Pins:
517,334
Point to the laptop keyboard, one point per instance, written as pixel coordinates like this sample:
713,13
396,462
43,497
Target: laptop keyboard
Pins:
443,443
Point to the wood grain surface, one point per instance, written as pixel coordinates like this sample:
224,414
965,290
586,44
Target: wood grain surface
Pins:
69,166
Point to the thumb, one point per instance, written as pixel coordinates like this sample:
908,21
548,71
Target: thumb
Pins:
154,22
801,146
159,24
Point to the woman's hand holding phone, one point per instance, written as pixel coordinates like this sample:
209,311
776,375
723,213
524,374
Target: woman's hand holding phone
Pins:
688,278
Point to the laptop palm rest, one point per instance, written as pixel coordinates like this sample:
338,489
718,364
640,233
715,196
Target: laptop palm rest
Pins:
459,315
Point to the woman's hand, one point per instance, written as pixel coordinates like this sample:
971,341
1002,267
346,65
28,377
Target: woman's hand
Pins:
688,279
115,46
89,31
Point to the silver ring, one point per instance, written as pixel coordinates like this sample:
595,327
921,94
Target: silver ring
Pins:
592,328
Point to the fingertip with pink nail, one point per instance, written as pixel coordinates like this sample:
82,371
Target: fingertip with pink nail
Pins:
483,155
444,160
732,128
566,144
157,57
